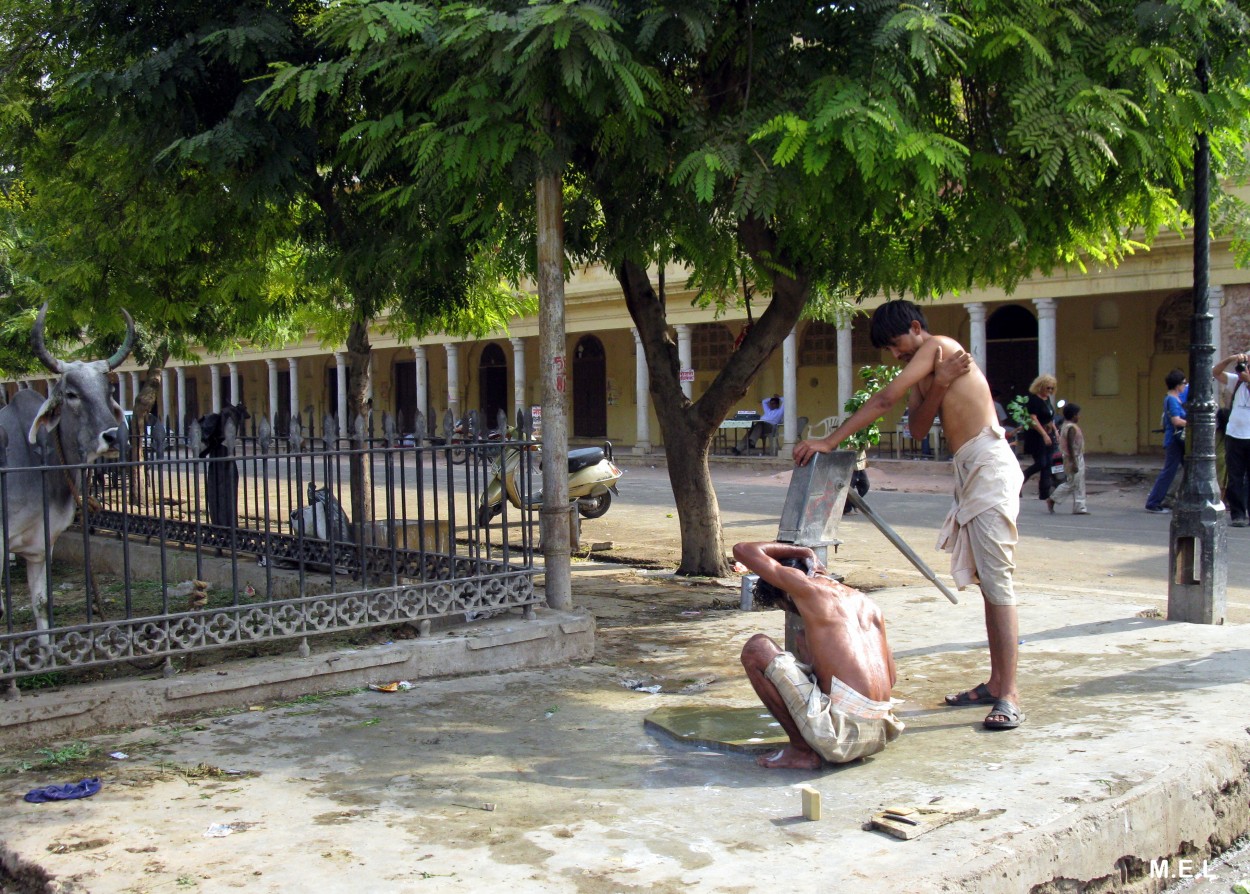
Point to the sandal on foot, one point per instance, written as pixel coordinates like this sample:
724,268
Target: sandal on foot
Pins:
979,695
1003,708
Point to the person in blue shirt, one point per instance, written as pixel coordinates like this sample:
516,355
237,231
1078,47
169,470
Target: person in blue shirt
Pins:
766,425
1173,439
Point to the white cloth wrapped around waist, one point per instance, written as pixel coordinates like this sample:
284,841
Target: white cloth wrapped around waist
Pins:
987,479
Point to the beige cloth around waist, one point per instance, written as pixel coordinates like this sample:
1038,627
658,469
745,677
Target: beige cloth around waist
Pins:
980,529
841,726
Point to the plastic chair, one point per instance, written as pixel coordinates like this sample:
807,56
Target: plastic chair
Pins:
774,439
824,427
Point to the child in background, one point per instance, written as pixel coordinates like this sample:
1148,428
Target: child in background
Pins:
1072,446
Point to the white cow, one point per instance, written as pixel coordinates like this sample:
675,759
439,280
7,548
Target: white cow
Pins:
77,423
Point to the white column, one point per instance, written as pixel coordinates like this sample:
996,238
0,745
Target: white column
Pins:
340,409
976,332
134,388
293,367
272,366
520,404
453,378
846,367
121,390
789,388
1045,336
180,423
423,405
234,382
642,406
214,386
683,357
1215,303
165,403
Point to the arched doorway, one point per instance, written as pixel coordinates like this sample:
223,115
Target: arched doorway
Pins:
405,391
590,389
492,384
1011,350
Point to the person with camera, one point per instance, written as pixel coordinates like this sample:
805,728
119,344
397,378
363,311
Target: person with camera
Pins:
1237,437
832,698
1173,439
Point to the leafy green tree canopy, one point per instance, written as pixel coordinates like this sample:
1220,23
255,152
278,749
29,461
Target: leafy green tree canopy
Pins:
822,152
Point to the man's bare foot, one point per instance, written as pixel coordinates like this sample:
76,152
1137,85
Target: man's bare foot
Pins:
790,758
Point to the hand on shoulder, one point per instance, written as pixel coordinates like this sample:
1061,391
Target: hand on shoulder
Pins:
946,369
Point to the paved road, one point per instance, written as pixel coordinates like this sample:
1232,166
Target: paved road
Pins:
1119,550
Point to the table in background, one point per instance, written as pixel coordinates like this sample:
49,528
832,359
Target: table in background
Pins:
722,444
906,445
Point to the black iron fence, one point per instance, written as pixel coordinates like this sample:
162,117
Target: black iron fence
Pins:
233,536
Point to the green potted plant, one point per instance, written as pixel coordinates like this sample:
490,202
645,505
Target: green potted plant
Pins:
875,378
1018,411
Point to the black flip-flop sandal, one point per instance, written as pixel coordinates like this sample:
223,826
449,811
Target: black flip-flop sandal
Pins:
1003,708
978,695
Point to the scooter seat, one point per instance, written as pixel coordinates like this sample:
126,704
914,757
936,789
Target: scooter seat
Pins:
584,457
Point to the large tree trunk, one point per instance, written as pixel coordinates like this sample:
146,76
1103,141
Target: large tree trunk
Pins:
360,473
687,433
698,512
554,520
689,426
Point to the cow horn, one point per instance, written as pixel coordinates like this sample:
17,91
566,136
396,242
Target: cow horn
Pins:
36,342
120,357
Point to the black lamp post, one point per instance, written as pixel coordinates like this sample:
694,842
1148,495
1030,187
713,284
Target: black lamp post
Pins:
1198,565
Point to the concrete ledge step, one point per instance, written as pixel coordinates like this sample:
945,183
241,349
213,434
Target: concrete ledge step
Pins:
503,643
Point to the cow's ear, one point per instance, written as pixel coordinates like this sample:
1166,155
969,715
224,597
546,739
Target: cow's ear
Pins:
49,415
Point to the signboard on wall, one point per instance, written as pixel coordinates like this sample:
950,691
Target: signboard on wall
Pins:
685,375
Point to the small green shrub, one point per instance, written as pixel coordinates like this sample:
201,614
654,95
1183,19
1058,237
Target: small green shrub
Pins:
68,754
1018,410
41,681
875,378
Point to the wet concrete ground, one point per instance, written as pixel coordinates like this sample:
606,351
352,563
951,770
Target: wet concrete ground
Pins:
546,780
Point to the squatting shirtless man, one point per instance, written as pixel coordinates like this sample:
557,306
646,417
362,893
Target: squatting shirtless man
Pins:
833,697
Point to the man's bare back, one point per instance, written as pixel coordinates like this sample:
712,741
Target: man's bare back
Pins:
844,637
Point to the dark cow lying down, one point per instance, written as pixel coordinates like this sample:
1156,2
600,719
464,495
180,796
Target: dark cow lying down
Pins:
77,423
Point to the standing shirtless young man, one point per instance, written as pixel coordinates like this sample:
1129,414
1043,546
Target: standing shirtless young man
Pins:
980,530
832,695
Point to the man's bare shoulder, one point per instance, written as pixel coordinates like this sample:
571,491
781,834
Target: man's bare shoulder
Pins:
947,343
852,601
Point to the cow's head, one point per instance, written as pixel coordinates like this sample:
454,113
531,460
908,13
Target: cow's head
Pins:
81,401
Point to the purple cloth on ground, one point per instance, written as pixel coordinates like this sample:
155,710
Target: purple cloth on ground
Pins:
70,790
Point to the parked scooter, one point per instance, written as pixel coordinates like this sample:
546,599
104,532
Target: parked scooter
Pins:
592,481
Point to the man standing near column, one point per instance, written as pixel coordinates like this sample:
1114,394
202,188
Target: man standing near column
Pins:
1237,437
